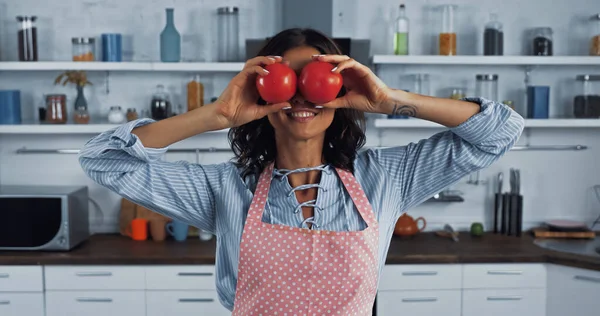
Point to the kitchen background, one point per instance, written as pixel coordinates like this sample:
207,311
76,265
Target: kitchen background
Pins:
555,183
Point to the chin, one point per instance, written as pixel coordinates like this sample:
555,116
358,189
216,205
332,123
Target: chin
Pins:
302,123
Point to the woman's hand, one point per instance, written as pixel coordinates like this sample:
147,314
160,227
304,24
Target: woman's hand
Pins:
237,104
365,91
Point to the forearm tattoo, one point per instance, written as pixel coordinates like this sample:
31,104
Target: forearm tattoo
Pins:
406,110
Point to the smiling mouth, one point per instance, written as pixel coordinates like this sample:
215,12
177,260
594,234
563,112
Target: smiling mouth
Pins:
302,115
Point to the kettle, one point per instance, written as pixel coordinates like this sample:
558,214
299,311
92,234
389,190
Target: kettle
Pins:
408,226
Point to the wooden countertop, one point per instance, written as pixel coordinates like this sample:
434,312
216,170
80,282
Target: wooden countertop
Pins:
426,248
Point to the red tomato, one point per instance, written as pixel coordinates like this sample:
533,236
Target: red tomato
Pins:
279,85
318,84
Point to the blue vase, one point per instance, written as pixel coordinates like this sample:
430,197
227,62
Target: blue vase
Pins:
170,41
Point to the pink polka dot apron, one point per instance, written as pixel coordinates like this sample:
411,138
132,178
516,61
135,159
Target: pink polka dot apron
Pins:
297,271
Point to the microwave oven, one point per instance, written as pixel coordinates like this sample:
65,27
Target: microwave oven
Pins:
52,218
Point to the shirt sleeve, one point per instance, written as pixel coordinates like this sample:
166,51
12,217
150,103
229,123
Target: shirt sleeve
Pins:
423,169
117,160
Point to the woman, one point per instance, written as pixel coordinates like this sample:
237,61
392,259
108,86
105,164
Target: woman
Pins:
303,219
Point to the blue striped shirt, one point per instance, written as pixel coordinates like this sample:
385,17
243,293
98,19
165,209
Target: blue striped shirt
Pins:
215,197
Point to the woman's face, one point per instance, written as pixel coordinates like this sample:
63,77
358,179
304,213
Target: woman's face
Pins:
303,121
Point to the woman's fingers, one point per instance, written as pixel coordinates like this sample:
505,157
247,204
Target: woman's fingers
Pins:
335,59
252,70
263,60
264,110
360,69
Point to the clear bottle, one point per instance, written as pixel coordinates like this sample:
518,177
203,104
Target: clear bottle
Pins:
487,86
595,41
401,33
493,37
228,34
447,36
170,40
195,94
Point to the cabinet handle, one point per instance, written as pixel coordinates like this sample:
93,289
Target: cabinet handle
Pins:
505,298
504,272
419,299
196,300
94,300
5,302
415,273
4,275
587,278
93,274
194,274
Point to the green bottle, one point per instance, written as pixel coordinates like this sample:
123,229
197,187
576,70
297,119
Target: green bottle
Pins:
401,33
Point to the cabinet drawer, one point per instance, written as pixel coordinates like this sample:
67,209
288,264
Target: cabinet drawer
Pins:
185,277
184,303
420,277
21,279
95,303
504,276
419,303
530,302
21,304
95,278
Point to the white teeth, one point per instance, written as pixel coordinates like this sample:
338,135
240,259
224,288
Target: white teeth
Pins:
302,114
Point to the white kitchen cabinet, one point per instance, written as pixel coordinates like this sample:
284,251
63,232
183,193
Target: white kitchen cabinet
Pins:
181,277
184,303
21,304
95,303
95,277
506,275
420,277
502,302
573,291
21,279
419,303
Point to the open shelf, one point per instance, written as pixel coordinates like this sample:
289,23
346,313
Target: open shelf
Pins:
487,60
529,123
121,66
63,129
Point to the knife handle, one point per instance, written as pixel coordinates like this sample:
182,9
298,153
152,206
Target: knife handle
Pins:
497,208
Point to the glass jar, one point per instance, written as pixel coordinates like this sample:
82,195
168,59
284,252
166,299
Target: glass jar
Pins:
421,84
56,108
493,37
81,115
160,106
132,114
487,86
586,103
595,41
447,36
83,49
542,41
458,93
116,115
228,34
27,37
195,94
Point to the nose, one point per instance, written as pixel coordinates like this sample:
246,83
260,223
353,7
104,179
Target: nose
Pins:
298,99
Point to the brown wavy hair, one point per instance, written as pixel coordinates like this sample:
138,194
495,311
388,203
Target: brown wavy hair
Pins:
254,143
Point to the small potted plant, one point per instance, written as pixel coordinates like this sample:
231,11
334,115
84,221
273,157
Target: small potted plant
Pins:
79,79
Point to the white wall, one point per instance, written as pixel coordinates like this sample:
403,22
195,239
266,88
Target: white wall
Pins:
555,184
